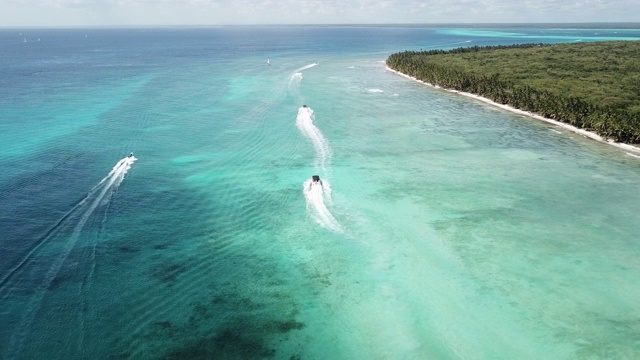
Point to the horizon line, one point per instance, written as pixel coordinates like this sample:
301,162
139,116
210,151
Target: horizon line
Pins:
122,26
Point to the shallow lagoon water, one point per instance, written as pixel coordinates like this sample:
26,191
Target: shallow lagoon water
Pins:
463,231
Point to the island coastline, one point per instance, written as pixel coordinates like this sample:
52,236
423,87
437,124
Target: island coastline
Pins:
588,134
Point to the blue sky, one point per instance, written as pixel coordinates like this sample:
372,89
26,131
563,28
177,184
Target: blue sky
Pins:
223,12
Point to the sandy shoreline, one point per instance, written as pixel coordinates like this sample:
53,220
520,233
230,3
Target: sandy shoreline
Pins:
574,129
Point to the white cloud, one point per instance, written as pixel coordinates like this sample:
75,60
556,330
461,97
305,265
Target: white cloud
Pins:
192,12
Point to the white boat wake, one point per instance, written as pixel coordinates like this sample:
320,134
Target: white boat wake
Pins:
104,189
318,196
294,81
99,195
296,77
317,193
304,122
306,67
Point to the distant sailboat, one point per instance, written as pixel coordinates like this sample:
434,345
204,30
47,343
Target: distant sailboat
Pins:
268,62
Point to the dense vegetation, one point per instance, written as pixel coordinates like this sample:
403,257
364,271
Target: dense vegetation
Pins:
594,86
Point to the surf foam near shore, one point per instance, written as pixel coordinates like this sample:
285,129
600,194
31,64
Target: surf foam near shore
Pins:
583,132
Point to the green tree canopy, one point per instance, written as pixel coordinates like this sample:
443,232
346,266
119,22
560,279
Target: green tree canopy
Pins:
595,86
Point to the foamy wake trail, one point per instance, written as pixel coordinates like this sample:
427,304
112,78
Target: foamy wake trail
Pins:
295,80
100,195
318,196
307,67
304,122
116,174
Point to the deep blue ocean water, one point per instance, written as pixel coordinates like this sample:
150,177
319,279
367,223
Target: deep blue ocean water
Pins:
444,228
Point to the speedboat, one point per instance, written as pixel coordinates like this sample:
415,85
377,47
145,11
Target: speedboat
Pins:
314,183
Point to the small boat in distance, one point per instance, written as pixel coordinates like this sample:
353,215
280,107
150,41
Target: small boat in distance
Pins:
130,155
315,179
268,62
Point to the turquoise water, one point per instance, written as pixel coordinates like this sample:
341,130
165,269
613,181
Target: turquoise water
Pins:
444,228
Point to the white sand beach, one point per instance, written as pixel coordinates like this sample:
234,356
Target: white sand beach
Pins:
574,129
